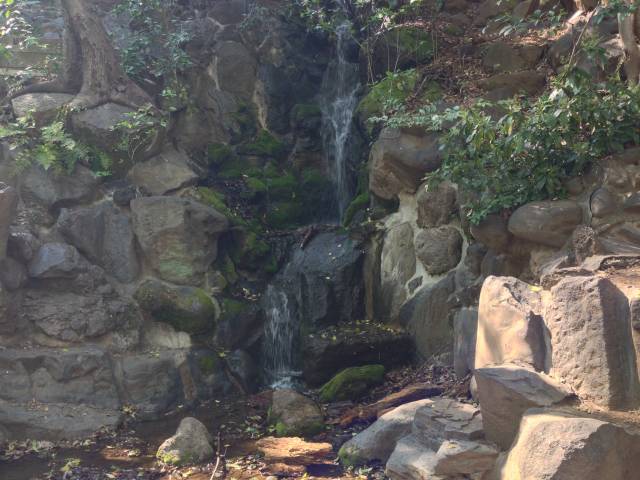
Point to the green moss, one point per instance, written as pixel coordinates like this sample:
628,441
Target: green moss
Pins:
271,170
228,269
284,215
208,364
349,458
232,307
359,203
302,111
415,43
264,145
352,383
246,118
214,199
256,188
282,188
219,154
170,459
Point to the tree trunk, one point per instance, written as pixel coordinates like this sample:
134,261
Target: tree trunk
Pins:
632,51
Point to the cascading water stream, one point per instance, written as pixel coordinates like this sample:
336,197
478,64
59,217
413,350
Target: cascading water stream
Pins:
281,331
339,99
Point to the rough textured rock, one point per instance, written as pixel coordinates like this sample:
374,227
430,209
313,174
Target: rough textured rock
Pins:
397,267
8,205
56,191
410,460
502,57
71,317
187,309
13,274
557,444
57,260
460,457
505,85
324,280
378,441
236,69
166,172
426,317
465,327
293,414
506,392
10,302
399,160
22,244
42,106
510,325
352,383
292,454
178,236
493,232
105,236
435,207
446,419
548,223
593,351
190,444
439,249
96,125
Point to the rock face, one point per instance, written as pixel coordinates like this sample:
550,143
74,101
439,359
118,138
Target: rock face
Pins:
510,325
439,249
593,351
8,205
397,266
506,392
163,173
378,441
105,236
187,309
190,444
548,223
399,160
57,260
178,236
555,444
293,414
56,191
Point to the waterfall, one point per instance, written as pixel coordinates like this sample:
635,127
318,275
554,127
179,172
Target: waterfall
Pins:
339,98
281,335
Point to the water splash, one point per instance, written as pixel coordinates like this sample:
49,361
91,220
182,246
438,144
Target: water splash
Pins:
281,334
339,98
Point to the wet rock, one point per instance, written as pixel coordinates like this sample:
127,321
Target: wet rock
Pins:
164,173
57,260
352,383
506,392
465,326
244,370
548,222
8,205
492,231
435,207
293,414
426,317
439,249
400,159
510,325
378,441
239,324
178,236
397,266
589,321
188,309
190,444
57,191
564,444
43,107
326,353
105,236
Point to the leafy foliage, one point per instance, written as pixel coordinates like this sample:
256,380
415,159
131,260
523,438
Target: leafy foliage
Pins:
529,152
139,130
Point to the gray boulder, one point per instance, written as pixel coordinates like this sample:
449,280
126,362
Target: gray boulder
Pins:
42,106
8,206
56,191
57,260
548,223
105,236
178,236
166,172
190,444
447,419
95,126
439,249
294,415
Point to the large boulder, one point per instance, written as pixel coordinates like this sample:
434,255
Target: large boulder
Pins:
593,351
510,325
352,383
548,223
439,249
426,317
399,160
506,392
437,205
105,235
294,415
378,441
97,126
190,444
164,173
43,107
8,205
57,260
59,190
291,455
236,69
492,231
187,309
178,236
397,267
564,445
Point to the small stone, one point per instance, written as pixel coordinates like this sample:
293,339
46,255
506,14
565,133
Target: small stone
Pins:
190,444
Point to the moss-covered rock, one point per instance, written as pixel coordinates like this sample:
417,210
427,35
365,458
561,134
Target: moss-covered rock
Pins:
352,383
219,154
306,117
187,309
264,145
191,444
284,215
359,203
294,415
